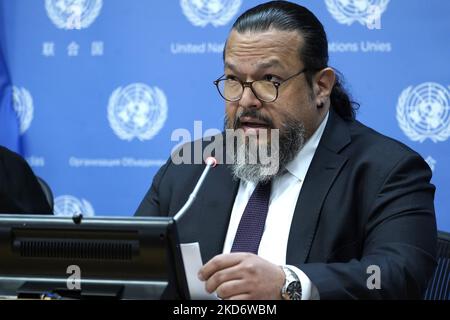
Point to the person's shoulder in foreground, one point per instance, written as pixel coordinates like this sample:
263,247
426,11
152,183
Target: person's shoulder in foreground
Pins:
20,191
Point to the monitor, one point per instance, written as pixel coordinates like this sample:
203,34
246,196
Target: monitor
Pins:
64,257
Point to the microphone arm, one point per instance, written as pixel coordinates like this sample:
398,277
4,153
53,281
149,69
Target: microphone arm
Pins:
211,162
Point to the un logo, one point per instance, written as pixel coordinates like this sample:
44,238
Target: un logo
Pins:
423,112
216,12
137,111
366,12
68,206
23,106
73,14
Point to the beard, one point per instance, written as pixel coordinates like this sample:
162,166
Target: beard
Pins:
291,139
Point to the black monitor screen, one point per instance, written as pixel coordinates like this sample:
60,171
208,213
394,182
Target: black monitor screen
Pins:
119,257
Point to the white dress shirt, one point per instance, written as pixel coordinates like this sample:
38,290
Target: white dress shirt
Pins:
283,199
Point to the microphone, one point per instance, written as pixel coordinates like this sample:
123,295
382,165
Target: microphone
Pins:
211,162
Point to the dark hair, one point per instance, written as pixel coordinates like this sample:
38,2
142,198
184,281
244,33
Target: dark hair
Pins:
287,16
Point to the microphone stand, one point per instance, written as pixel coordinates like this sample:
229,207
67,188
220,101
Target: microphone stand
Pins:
211,162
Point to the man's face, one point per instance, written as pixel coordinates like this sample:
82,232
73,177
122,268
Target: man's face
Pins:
270,55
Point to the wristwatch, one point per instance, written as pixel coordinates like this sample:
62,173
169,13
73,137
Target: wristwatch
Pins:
292,288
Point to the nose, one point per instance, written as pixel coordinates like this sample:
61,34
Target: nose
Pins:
249,100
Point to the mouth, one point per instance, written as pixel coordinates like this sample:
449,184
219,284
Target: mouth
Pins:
250,125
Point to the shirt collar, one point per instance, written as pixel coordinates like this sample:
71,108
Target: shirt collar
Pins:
298,167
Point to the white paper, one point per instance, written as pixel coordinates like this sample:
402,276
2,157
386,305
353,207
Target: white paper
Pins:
192,261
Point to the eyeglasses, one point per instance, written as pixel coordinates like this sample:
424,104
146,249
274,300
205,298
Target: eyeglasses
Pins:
267,91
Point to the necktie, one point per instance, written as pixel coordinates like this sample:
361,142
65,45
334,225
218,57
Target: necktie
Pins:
251,226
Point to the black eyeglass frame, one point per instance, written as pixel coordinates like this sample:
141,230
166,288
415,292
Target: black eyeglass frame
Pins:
249,84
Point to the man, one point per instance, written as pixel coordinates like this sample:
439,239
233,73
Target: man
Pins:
348,214
20,191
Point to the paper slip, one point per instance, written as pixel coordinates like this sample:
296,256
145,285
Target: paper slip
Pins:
192,261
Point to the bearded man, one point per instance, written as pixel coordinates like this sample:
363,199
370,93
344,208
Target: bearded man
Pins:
344,202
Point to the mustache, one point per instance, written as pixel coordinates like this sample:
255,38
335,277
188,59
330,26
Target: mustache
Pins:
252,113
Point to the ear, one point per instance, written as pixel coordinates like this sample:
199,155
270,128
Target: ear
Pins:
323,85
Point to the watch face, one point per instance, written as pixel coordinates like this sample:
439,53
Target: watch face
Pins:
294,290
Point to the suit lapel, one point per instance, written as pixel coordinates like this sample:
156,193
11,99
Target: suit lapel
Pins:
207,220
324,169
219,192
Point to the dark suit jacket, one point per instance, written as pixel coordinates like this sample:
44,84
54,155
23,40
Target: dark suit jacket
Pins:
366,200
20,192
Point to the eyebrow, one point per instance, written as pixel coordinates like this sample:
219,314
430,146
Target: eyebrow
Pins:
269,64
260,65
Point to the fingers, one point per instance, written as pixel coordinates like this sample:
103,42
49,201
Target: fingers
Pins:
220,262
232,289
223,276
241,297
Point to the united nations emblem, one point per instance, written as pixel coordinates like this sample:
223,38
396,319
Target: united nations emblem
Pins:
216,12
137,111
23,105
363,11
73,14
68,206
423,112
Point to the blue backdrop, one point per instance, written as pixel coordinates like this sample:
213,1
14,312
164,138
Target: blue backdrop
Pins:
98,87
